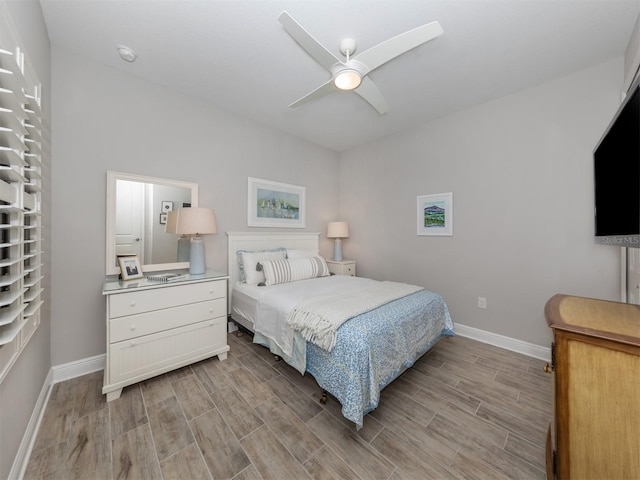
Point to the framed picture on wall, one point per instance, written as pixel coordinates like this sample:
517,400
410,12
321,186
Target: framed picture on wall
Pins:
435,214
130,267
167,207
274,204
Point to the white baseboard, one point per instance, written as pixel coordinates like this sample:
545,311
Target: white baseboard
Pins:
508,343
28,439
78,368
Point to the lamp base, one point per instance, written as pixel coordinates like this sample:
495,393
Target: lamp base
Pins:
337,250
196,257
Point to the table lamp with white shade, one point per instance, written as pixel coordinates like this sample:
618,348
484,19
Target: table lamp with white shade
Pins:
196,221
338,230
184,242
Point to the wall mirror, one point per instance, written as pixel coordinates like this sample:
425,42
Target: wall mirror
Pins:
137,210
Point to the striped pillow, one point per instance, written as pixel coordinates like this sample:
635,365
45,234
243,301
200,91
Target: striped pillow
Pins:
285,271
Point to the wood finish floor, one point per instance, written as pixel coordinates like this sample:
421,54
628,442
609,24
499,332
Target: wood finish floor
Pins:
465,410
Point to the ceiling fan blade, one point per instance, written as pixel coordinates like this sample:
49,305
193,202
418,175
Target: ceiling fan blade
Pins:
396,46
371,94
321,91
314,48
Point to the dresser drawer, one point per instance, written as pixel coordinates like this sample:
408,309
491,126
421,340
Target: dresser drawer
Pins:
136,359
141,301
132,326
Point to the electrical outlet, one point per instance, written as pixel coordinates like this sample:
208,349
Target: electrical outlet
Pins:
482,302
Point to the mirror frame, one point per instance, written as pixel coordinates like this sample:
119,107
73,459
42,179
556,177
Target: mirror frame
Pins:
111,263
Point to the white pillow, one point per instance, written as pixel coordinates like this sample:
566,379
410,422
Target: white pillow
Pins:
291,253
250,262
284,271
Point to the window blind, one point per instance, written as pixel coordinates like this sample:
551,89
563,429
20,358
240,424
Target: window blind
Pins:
21,140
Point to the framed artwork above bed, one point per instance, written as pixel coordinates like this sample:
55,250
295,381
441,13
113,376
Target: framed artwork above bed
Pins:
274,204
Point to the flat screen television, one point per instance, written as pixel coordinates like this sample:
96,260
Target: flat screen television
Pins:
617,176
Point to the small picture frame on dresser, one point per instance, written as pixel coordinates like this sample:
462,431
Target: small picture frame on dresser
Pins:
130,267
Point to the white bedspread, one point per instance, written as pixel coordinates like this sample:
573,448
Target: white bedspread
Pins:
318,318
277,301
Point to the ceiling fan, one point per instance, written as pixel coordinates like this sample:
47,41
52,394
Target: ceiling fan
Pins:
351,74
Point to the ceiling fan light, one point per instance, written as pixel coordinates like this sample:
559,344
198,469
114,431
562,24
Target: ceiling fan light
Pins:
347,79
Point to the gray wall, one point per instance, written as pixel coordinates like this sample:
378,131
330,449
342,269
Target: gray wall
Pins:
108,120
520,169
20,389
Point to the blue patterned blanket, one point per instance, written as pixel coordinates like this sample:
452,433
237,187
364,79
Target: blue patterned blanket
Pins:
372,350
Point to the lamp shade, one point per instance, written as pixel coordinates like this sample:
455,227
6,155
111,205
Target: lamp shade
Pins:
195,221
172,218
338,230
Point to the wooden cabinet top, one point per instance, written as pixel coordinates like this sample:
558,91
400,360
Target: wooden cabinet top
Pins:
615,321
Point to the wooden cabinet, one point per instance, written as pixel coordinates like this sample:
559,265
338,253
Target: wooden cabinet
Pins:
153,328
596,374
343,267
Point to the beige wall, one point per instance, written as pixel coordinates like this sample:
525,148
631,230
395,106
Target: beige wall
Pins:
520,169
108,120
20,389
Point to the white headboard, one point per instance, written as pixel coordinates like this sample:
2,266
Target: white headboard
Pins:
263,241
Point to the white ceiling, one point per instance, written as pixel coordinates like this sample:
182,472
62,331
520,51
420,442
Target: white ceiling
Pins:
236,55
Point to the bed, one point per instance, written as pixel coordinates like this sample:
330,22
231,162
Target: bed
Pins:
380,328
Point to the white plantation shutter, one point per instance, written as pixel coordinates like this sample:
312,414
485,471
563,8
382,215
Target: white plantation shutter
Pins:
21,139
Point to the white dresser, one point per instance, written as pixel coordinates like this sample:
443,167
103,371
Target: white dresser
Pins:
155,327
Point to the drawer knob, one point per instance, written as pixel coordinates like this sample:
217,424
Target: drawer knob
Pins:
132,303
211,310
133,344
211,324
211,291
133,327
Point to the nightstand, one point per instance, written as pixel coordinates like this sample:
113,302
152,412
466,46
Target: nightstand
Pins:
343,267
